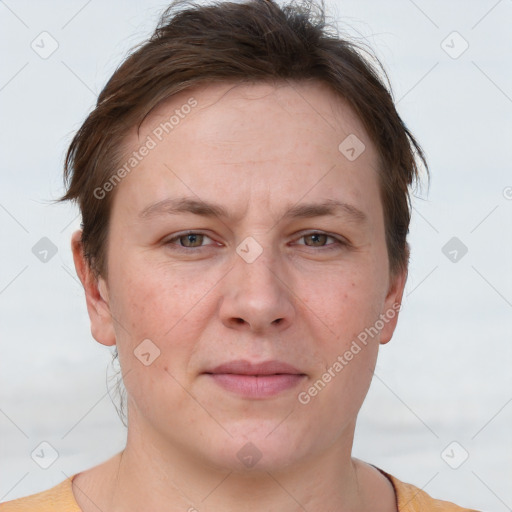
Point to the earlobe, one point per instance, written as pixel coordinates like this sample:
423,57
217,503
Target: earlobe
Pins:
96,295
392,305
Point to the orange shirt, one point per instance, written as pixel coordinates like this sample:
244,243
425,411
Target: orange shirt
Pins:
61,499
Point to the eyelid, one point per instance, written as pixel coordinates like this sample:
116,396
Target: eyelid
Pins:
177,236
339,241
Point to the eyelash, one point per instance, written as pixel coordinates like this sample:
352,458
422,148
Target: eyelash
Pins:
338,242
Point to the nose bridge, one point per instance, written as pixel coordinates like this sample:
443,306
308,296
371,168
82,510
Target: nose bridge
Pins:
256,266
255,291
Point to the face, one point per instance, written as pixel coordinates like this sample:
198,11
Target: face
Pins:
248,287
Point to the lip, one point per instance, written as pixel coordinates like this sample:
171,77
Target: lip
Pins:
244,367
256,380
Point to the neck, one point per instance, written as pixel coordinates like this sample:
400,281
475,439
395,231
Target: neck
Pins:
156,476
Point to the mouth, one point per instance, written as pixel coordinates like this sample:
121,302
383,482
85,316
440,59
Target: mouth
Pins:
256,380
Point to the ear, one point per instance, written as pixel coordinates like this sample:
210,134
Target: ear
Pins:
392,305
96,295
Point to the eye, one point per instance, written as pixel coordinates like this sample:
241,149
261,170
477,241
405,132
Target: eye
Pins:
189,240
194,240
319,239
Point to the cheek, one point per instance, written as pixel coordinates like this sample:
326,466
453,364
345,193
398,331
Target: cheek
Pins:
168,307
347,303
155,330
349,306
335,394
154,301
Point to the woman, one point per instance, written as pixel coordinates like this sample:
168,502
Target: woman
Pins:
244,184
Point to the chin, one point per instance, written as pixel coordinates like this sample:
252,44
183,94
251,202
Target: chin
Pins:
259,447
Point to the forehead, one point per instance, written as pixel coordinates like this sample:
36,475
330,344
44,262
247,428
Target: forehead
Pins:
264,139
307,105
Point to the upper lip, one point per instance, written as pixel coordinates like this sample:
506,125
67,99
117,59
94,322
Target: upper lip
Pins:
244,367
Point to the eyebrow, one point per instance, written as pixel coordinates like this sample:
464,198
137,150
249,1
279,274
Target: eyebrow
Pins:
179,205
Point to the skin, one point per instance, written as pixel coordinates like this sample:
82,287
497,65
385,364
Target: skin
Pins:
257,150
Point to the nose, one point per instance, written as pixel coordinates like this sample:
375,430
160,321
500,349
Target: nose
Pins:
257,297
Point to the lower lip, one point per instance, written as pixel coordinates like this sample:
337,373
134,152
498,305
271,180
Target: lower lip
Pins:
261,386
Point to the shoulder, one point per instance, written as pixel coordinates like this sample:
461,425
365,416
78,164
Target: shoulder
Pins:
412,499
57,499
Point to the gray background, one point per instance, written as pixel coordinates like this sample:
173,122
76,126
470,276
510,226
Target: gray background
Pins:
444,377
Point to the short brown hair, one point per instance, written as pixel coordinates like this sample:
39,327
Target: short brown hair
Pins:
252,41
